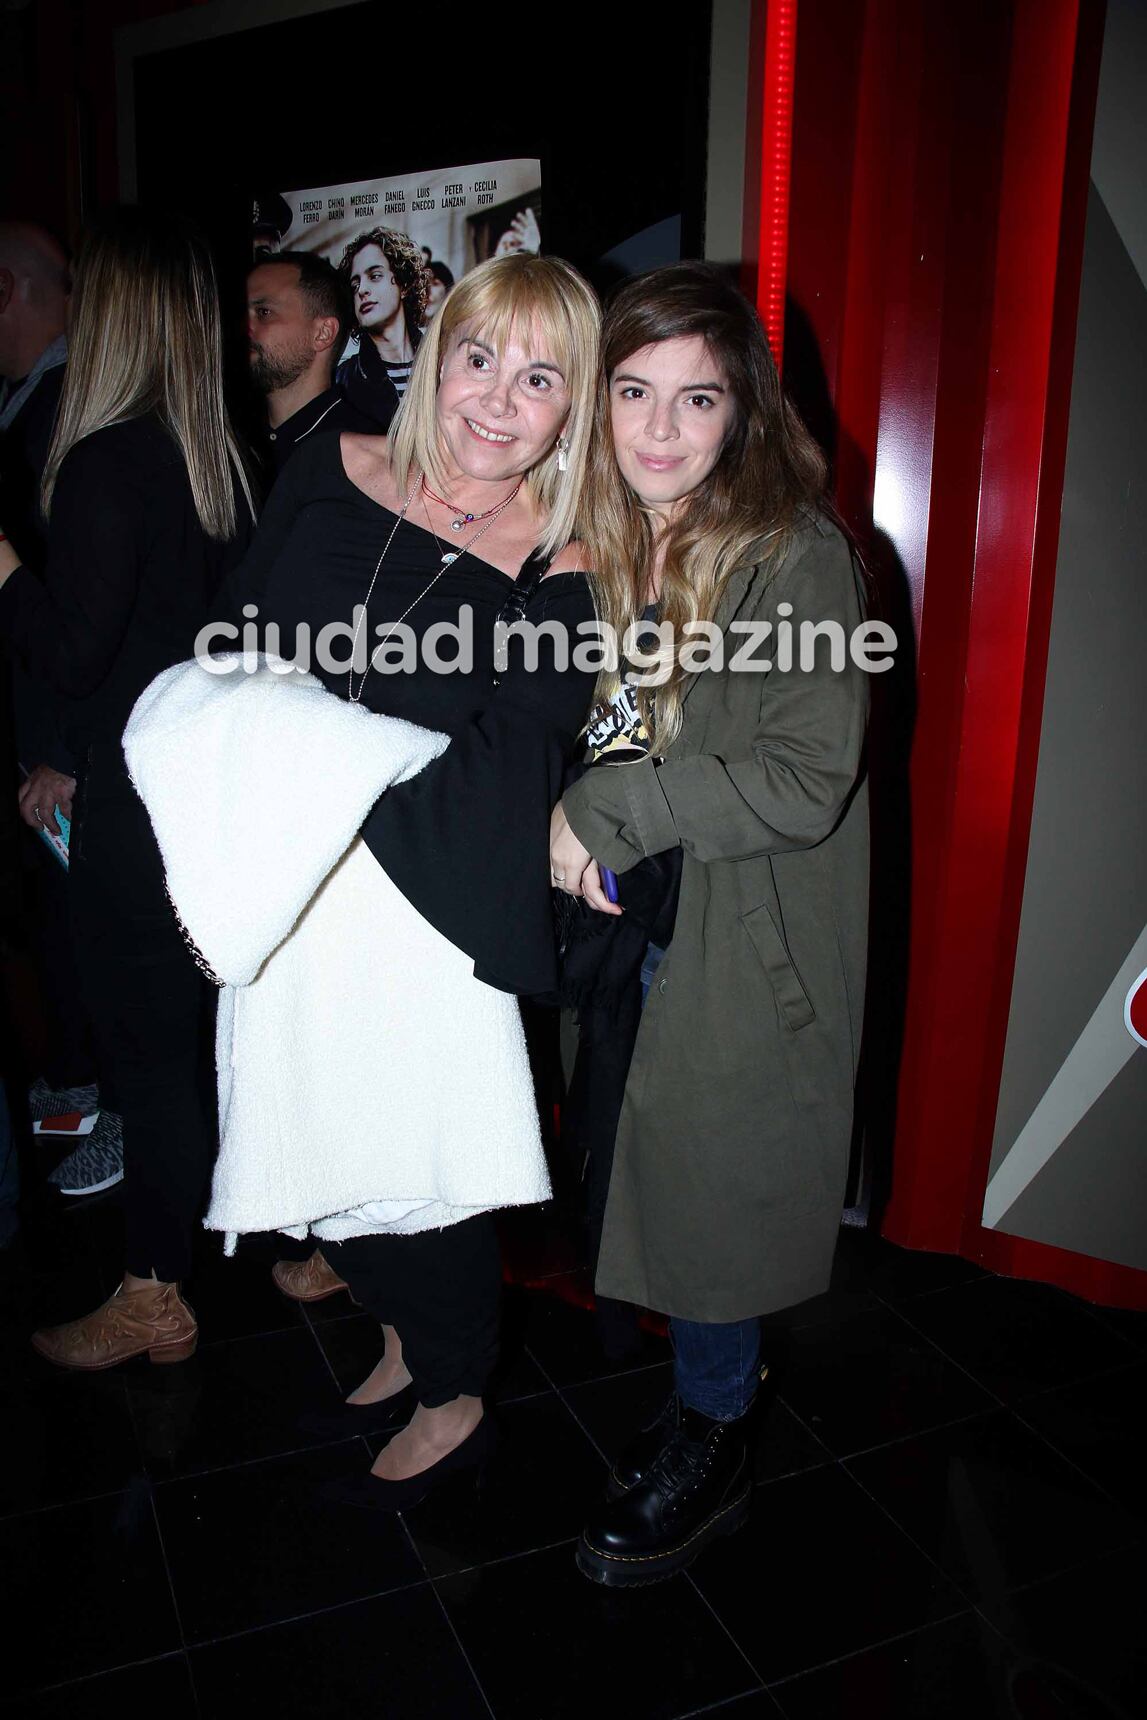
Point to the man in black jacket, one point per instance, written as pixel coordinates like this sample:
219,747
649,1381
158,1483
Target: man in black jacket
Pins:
298,318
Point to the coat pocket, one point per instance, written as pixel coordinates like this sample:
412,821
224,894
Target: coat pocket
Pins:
792,998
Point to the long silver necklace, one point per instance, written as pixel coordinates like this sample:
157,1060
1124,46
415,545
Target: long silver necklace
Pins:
447,557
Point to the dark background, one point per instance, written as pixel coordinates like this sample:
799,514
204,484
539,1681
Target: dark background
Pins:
613,104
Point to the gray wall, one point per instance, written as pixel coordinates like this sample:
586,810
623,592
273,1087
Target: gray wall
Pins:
728,103
1119,151
1069,1159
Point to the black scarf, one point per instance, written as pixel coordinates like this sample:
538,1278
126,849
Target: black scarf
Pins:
600,955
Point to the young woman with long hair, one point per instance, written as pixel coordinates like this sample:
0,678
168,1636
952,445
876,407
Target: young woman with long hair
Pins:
705,505
147,506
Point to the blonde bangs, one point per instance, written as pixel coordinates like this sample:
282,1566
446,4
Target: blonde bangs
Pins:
494,302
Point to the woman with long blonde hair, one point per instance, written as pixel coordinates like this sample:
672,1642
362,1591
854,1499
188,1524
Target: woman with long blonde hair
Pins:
148,506
460,519
740,764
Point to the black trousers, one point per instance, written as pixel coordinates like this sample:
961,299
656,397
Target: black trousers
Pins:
440,1290
152,1012
70,1050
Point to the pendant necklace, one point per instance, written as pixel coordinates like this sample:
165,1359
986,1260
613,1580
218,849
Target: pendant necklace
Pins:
463,518
447,557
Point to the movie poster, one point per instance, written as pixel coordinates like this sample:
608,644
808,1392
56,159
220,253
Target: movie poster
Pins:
402,243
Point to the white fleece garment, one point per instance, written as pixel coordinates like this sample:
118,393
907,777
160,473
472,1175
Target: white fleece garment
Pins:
367,1080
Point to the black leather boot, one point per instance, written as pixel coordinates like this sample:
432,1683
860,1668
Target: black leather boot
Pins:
631,1465
694,1488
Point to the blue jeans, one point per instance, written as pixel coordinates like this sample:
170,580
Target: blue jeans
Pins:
715,1368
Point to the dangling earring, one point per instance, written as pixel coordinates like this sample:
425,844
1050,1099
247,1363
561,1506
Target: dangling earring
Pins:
563,454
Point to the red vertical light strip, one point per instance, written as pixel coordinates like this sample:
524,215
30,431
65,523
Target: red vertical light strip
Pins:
770,238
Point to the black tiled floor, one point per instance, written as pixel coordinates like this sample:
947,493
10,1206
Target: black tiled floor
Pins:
537,1490
1102,1426
64,1436
1085,1629
154,1687
1128,1322
393,1657
49,1272
991,1503
229,1403
563,1341
758,1705
948,1671
611,1410
258,1544
83,1588
898,1275
949,1518
340,1306
871,1378
1017,1338
236,1298
547,1645
819,1571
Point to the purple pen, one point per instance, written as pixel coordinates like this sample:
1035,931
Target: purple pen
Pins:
609,882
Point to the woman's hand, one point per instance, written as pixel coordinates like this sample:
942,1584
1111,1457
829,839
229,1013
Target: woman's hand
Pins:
573,868
41,793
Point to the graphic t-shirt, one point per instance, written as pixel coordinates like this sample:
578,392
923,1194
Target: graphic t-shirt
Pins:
616,730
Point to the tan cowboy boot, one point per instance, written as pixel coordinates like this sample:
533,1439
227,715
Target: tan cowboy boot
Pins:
155,1319
307,1280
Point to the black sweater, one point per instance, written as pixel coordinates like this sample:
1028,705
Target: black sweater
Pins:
129,578
467,840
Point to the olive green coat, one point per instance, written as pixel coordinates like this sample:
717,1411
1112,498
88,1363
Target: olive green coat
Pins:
733,1144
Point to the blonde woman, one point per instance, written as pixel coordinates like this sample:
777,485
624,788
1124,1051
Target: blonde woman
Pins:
705,505
147,508
462,518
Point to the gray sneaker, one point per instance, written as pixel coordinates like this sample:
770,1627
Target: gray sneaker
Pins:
96,1163
45,1101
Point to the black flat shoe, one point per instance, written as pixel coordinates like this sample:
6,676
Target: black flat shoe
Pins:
350,1419
696,1488
375,1493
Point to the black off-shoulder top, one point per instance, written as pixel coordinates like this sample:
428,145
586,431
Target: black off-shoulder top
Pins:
466,841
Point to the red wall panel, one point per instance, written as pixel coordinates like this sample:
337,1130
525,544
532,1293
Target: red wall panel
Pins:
940,156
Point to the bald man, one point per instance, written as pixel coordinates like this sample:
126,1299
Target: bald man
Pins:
34,288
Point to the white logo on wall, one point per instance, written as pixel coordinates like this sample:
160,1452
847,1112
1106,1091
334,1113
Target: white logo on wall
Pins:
1135,1009
1117,1026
